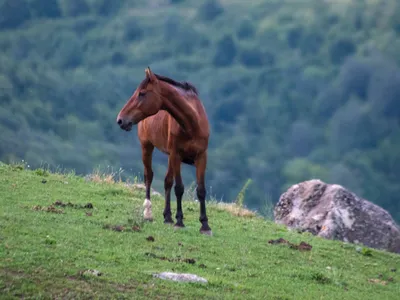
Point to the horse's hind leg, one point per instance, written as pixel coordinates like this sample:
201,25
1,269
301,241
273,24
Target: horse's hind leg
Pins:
168,183
179,190
201,164
147,154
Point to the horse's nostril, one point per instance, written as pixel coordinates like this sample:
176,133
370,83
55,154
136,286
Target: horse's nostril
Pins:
119,121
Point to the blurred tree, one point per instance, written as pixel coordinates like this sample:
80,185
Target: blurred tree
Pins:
354,77
246,30
255,58
384,90
107,7
225,51
69,51
75,8
341,174
294,36
302,138
209,10
311,42
13,13
133,31
299,169
340,49
45,8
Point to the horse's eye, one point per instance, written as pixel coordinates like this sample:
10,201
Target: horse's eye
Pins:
141,94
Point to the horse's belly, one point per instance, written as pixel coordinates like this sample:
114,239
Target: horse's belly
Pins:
193,148
163,132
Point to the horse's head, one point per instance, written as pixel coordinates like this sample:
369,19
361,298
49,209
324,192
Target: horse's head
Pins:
145,102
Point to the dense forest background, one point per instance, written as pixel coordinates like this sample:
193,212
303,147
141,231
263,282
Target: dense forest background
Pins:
294,89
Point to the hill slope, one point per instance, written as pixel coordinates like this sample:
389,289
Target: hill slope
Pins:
44,250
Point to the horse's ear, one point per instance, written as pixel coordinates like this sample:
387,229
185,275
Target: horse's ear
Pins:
149,73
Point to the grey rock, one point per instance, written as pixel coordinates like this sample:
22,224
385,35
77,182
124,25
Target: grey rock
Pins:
141,186
332,212
180,277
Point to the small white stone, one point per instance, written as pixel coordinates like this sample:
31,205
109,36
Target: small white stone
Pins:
181,277
92,272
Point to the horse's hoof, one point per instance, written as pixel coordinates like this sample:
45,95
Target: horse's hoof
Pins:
179,226
206,232
168,222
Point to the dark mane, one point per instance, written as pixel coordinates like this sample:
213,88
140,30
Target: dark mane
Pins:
187,86
183,85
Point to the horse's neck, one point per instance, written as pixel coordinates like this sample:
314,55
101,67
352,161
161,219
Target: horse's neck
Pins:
180,109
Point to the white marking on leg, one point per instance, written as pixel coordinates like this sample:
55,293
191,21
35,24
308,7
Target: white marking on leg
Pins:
147,213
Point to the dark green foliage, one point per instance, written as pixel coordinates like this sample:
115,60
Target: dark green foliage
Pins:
107,7
302,138
245,30
355,77
69,50
255,58
294,36
311,42
82,26
75,8
292,91
118,58
384,90
132,30
209,10
225,51
340,49
45,8
229,111
13,13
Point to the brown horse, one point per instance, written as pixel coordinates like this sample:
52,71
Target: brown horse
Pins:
170,117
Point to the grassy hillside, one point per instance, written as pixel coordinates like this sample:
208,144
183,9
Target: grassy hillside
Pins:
293,89
45,249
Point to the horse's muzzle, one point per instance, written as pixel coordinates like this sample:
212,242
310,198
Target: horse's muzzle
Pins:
125,125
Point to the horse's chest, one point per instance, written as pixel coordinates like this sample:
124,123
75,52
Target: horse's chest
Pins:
187,148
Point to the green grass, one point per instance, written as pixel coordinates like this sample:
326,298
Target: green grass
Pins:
43,254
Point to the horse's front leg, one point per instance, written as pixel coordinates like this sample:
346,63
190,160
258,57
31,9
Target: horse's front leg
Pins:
147,153
179,190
